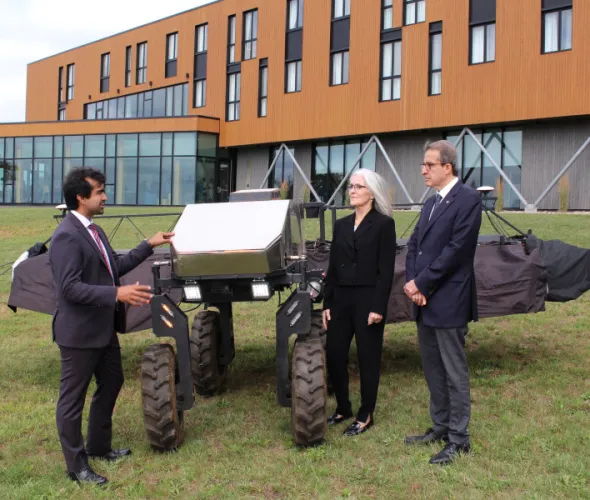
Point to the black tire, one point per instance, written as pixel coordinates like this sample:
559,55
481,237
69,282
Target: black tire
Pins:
308,392
164,422
208,374
318,330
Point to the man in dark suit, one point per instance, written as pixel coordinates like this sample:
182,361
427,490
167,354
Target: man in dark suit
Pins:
441,282
89,311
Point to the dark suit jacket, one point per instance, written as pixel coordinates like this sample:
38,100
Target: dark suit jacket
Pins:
86,298
440,258
364,257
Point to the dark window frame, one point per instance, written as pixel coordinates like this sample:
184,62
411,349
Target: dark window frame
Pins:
345,4
128,65
70,82
231,33
342,75
200,52
298,71
560,11
299,20
238,93
60,83
485,26
253,41
141,71
384,9
393,76
105,76
171,64
433,33
405,9
262,74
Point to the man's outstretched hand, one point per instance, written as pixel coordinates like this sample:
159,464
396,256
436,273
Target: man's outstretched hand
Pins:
159,239
136,295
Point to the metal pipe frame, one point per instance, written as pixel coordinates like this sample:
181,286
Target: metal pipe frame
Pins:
299,169
376,140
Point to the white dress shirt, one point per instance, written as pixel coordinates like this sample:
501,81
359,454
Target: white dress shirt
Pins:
444,191
85,222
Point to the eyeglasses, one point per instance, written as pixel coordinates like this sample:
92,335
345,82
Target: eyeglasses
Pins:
428,166
355,187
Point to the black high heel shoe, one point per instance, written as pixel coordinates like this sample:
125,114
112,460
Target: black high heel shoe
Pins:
357,428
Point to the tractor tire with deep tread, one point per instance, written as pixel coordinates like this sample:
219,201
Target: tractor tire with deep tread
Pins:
308,392
163,421
317,328
208,374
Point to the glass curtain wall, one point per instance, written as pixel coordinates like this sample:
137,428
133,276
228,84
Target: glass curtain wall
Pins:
173,168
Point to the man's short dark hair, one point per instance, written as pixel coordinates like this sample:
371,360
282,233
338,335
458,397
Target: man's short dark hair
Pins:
447,152
76,184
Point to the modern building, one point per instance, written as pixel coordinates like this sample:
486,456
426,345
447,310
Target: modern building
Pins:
195,105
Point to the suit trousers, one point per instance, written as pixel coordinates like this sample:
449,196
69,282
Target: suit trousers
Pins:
77,368
447,376
350,313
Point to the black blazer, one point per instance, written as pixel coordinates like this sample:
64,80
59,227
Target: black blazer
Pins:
440,258
86,298
365,257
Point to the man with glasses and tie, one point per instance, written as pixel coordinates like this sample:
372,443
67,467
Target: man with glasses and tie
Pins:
89,312
441,283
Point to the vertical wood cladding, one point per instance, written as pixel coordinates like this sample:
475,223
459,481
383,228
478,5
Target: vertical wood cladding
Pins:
522,83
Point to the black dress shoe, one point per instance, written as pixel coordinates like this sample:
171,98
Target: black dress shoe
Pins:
449,453
112,455
355,428
337,418
88,476
428,437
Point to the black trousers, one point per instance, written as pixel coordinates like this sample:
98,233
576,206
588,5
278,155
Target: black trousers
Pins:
447,376
350,313
77,368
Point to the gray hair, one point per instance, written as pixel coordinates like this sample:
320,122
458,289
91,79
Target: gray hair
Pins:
447,152
378,187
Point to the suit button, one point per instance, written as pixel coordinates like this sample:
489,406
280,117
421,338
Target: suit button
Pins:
419,253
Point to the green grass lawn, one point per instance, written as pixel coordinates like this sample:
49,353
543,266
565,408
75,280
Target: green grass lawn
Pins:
530,416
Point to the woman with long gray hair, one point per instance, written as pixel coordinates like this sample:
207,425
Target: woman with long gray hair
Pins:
358,284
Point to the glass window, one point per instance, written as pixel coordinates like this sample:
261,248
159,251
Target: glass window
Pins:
415,11
178,100
294,14
57,181
391,54
341,8
120,108
94,146
149,144
110,170
512,166
111,143
43,147
205,181
387,14
58,146
435,64
185,143
9,148
159,103
126,181
97,163
483,43
321,181
492,141
200,93
149,181
169,101
166,184
294,76
91,111
23,181
23,147
1,148
131,106
185,99
184,180
207,144
557,30
340,64
112,109
250,34
110,194
73,146
167,144
369,160
42,172
127,145
70,163
472,164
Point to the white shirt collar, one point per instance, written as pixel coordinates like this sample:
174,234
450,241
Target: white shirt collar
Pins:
85,222
444,191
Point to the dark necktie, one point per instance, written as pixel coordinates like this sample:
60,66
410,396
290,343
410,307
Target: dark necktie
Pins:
94,229
437,200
